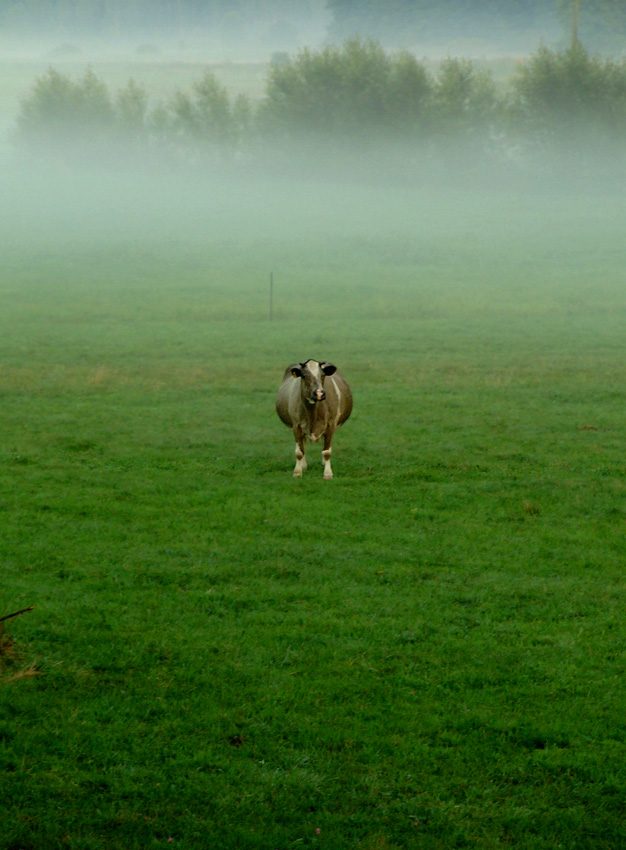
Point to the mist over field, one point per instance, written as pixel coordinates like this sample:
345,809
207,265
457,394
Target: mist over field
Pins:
251,31
181,31
397,189
340,250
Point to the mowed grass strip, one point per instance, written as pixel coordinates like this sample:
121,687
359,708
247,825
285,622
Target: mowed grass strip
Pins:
426,651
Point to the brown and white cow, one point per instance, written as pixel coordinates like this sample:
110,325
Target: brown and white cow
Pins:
313,400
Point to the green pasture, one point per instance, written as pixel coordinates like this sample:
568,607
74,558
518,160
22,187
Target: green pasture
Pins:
425,652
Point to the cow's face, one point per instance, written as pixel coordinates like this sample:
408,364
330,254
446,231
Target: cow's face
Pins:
312,375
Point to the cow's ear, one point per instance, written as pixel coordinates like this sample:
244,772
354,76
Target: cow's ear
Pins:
296,371
328,368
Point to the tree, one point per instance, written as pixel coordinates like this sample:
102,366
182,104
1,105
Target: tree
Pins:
570,103
207,121
601,23
351,95
64,116
79,120
131,109
465,108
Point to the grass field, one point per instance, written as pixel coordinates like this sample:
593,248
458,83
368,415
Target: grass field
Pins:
427,651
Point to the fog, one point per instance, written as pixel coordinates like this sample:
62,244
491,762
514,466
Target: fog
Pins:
370,208
324,240
319,225
167,34
250,30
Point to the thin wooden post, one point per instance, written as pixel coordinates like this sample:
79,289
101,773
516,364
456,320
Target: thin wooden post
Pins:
271,296
575,23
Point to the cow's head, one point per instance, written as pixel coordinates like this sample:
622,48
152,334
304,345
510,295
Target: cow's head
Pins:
312,375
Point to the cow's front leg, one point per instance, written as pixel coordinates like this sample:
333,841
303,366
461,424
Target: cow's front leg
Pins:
300,452
326,453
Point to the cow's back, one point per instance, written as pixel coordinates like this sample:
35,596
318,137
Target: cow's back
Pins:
338,398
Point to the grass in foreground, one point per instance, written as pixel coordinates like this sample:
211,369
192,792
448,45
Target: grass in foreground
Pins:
426,651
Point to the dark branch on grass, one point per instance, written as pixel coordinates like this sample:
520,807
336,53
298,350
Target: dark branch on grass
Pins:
16,613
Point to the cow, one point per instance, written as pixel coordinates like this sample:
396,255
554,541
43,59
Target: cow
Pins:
314,400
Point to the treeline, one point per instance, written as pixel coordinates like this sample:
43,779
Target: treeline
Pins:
344,106
600,21
393,21
113,18
388,19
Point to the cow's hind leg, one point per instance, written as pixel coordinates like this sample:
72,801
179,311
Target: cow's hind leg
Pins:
326,453
300,453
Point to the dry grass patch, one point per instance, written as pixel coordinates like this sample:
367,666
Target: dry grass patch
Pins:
28,672
9,652
60,378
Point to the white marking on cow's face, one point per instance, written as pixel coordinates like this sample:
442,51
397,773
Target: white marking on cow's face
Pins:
314,370
312,382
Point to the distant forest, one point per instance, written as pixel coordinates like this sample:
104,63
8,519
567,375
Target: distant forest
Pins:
599,19
355,109
602,22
